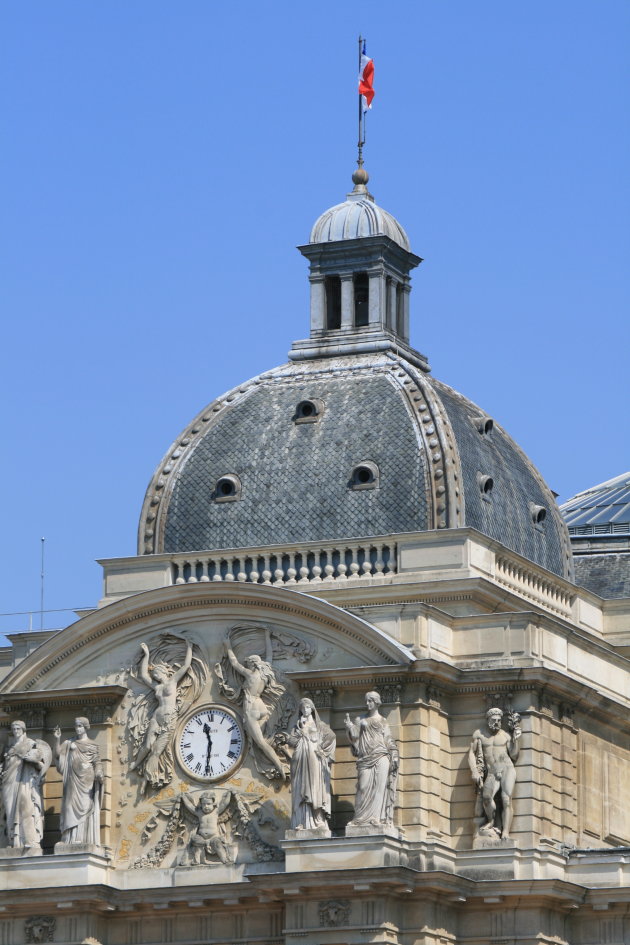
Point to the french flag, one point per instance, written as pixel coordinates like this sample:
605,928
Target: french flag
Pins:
366,78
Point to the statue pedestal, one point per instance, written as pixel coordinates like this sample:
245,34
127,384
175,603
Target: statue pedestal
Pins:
315,833
339,853
374,830
96,849
12,853
488,863
484,841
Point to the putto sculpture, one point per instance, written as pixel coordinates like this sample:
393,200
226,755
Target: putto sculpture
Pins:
377,766
23,766
491,760
78,761
209,837
313,744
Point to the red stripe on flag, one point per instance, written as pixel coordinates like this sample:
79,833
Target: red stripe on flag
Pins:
365,82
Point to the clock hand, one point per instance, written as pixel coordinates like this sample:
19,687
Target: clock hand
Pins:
206,731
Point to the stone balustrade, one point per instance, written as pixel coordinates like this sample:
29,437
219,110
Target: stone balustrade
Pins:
419,558
530,583
301,564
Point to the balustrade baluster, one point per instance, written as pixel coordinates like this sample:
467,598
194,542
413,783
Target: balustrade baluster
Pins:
266,575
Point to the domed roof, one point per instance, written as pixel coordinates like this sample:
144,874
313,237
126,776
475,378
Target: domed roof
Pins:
441,462
357,217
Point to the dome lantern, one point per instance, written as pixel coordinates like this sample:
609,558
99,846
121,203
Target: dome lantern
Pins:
360,261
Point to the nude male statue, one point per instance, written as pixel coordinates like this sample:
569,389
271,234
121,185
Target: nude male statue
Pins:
491,760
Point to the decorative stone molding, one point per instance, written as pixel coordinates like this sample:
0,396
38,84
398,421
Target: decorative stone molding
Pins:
40,928
321,698
334,912
390,695
434,696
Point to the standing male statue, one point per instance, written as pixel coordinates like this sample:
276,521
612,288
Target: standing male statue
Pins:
491,760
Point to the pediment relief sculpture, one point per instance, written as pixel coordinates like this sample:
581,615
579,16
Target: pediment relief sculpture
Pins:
174,675
209,828
261,692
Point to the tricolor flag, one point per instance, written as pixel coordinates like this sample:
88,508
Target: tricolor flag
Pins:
366,77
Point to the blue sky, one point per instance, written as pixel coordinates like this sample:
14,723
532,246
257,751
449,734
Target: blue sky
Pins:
161,161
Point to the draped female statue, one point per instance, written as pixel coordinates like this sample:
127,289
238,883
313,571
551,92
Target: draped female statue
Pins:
313,744
79,762
23,766
377,766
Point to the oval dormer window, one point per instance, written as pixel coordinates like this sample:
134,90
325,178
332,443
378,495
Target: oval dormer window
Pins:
227,488
365,476
308,411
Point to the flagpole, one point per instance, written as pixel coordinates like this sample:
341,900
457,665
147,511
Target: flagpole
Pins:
361,116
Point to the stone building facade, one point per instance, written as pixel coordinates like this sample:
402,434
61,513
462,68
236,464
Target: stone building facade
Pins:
341,527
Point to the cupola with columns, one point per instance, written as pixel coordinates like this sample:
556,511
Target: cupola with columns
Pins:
360,260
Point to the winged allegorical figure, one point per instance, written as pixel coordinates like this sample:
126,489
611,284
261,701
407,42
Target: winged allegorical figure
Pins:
253,685
174,676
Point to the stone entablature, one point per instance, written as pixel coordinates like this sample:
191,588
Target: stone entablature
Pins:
372,564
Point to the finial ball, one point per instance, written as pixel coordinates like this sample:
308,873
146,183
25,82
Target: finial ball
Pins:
360,176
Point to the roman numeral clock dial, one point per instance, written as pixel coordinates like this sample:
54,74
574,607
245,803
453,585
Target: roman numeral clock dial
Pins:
211,744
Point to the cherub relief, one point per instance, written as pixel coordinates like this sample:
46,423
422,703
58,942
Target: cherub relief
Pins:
206,826
175,677
209,838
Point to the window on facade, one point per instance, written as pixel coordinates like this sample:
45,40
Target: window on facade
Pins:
333,302
361,300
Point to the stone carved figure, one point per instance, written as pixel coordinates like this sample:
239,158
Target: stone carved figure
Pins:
23,766
233,817
313,744
259,693
174,680
209,837
78,761
491,760
40,928
377,766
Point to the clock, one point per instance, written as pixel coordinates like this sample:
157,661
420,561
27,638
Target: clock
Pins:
211,744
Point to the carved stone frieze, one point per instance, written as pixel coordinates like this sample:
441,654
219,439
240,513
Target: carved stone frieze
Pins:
321,698
334,912
390,695
40,928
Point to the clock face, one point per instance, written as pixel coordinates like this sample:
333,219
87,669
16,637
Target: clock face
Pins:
211,743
